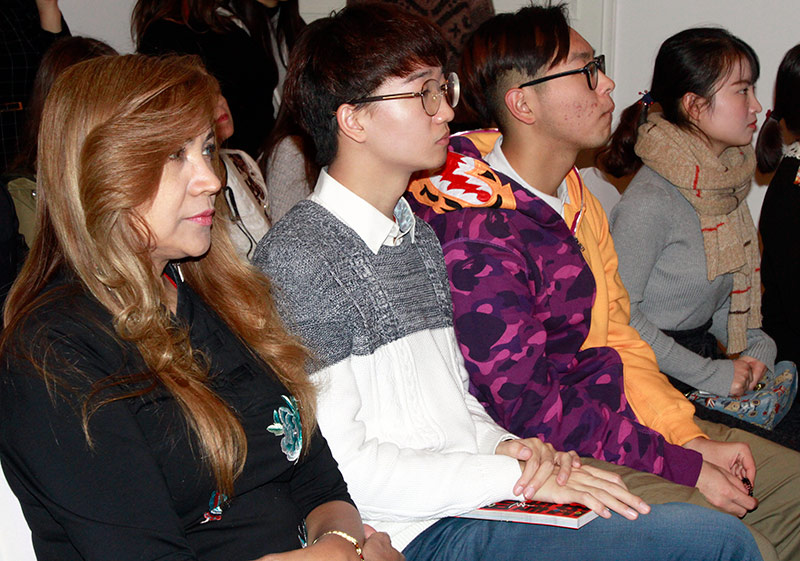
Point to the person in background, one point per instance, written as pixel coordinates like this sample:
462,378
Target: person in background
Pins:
687,245
541,315
171,412
27,29
363,283
778,151
243,43
21,180
19,184
244,191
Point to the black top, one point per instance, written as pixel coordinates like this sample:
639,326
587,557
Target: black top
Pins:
245,73
22,44
12,245
142,492
780,260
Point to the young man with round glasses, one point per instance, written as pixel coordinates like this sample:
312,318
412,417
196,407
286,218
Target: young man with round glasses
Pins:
540,312
431,94
363,283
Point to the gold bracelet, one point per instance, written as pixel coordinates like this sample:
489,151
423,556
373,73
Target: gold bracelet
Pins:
346,536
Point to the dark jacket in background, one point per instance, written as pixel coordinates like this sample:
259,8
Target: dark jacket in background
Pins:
22,44
245,73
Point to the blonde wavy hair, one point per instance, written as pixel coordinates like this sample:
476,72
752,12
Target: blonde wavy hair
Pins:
108,128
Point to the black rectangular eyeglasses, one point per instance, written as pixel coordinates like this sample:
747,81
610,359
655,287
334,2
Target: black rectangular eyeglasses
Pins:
591,71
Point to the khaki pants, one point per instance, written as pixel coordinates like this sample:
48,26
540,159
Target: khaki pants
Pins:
775,524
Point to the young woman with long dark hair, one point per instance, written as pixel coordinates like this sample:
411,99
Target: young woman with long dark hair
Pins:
687,245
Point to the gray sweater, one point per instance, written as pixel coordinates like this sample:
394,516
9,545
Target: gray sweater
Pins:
286,178
662,263
342,299
393,401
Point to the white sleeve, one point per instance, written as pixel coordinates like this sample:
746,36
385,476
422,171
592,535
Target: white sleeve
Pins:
394,483
489,433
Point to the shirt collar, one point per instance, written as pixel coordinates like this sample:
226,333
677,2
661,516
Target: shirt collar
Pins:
368,222
497,160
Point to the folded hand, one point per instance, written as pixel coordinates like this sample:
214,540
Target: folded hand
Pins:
600,490
537,460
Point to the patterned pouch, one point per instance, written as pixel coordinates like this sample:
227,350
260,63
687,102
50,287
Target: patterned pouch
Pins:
765,406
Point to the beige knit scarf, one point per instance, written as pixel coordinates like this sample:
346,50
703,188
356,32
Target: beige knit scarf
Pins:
716,188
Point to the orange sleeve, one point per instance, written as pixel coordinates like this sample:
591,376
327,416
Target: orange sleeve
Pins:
655,401
484,139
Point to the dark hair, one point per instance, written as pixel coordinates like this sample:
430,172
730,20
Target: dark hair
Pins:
61,55
527,43
694,61
256,18
769,147
254,15
347,56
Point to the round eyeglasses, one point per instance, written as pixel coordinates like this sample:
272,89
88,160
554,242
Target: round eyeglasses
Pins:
431,94
591,70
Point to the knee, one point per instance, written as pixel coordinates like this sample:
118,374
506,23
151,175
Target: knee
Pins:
723,534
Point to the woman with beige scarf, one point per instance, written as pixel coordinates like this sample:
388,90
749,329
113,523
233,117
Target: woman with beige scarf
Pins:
687,245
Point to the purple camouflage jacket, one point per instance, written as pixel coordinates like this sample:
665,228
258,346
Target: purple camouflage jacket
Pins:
522,300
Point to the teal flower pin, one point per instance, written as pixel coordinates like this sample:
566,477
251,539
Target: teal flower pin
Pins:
287,424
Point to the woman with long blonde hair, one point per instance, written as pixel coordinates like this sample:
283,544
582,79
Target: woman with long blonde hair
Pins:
151,404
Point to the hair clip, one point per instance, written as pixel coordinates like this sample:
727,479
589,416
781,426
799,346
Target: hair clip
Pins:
647,99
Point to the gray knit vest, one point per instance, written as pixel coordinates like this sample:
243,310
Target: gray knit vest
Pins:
340,297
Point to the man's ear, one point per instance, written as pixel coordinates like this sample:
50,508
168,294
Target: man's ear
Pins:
693,106
349,118
517,104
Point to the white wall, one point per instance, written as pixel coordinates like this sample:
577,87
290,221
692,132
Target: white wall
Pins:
109,20
15,538
634,29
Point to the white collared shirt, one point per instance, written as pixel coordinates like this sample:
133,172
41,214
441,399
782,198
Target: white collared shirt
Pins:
396,411
368,222
498,161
